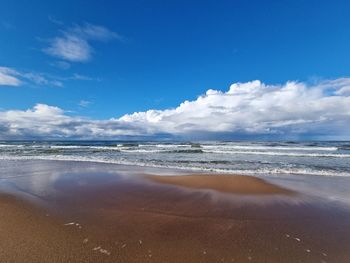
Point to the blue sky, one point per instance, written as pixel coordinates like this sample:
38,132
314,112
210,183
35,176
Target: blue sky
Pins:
133,56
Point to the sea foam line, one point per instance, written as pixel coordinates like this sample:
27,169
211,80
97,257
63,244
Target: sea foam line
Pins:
282,153
263,171
286,148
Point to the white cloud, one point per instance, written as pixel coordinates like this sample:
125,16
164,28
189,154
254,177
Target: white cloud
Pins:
55,21
71,48
13,77
246,109
84,103
81,77
61,64
343,91
8,77
39,79
44,121
93,32
253,108
74,43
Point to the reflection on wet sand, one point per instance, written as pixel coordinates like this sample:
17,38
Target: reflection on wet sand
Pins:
234,184
109,213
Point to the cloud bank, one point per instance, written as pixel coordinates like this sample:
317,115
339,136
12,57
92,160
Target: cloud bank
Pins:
291,110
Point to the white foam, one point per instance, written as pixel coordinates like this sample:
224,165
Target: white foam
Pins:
261,171
281,153
228,148
84,147
258,147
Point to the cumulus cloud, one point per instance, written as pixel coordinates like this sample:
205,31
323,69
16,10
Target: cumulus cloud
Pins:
74,43
246,109
256,108
44,121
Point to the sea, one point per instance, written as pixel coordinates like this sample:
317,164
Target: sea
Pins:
280,158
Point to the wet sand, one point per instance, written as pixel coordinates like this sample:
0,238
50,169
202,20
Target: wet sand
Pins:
29,234
235,184
86,212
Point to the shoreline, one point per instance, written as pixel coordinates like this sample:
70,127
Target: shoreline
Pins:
109,213
179,169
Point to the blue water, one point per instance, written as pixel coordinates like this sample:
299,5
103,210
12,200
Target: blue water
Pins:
260,158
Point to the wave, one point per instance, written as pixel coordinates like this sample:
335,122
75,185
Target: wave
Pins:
170,150
164,145
128,145
218,146
112,148
344,147
12,145
193,150
67,146
286,148
281,153
258,172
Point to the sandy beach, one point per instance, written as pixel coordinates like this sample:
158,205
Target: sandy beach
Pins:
236,184
174,131
87,212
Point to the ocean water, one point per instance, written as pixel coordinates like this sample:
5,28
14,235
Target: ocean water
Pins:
251,158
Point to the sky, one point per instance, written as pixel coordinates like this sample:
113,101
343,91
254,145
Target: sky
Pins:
174,69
